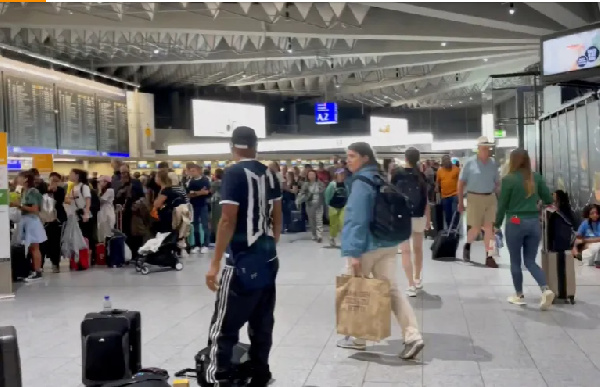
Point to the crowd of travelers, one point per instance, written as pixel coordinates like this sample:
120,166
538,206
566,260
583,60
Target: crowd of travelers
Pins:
244,210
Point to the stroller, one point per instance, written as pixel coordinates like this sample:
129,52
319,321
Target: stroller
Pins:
162,251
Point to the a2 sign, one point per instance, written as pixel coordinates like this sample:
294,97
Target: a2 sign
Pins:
326,113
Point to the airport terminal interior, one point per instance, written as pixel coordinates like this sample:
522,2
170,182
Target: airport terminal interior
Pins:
121,122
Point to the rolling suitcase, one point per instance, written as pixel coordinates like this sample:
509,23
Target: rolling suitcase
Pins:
446,243
297,224
10,360
116,249
559,266
84,258
111,346
101,254
20,264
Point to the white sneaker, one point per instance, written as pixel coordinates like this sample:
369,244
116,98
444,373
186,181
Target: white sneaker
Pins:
332,242
411,291
204,250
516,300
418,284
352,343
412,349
195,250
547,299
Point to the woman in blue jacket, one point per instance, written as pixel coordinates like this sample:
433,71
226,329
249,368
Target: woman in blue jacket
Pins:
367,255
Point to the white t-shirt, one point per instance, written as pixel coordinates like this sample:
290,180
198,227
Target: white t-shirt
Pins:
80,193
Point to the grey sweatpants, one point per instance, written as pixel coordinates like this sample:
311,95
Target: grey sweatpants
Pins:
315,219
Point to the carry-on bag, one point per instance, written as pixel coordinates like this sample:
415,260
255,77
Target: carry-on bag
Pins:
20,263
559,266
111,346
101,254
84,258
445,243
10,360
297,224
202,359
116,249
151,377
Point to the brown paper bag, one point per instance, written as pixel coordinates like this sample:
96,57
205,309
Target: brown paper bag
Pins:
363,308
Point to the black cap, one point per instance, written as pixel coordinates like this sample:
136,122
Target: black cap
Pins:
244,137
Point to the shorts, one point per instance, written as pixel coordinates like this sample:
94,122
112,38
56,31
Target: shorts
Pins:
419,224
481,210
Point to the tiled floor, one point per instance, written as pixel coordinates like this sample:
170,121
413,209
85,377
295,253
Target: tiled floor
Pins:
473,337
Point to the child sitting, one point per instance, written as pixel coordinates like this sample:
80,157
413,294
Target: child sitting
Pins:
588,235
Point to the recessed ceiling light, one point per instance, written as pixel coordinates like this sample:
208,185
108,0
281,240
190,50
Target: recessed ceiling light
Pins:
282,109
443,44
156,51
470,98
459,101
485,59
511,8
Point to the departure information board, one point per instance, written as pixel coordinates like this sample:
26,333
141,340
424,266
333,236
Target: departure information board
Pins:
112,125
77,120
31,117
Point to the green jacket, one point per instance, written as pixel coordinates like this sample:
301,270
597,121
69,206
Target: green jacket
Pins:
329,191
513,200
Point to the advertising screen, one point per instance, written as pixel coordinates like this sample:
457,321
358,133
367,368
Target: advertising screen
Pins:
219,119
571,52
388,126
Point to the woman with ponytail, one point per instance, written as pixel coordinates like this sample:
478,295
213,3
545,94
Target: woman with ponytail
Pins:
522,189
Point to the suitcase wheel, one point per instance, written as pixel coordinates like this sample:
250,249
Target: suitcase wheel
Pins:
179,266
144,270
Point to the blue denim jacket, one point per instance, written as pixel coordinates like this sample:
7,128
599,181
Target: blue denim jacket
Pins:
356,234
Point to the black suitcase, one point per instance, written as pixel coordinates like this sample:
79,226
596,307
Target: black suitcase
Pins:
20,263
298,224
10,360
202,358
445,243
111,346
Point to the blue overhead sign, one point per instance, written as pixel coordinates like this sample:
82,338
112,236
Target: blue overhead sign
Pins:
326,113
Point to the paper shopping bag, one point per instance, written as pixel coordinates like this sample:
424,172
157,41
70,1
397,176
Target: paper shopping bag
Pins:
363,307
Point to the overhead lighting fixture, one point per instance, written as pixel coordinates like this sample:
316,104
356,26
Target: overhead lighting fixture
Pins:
511,8
156,51
416,89
485,59
64,160
282,109
289,48
459,101
470,98
443,44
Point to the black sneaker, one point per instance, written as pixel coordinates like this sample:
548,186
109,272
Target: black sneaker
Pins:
467,253
36,275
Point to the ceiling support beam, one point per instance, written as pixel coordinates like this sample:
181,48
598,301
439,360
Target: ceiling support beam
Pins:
559,14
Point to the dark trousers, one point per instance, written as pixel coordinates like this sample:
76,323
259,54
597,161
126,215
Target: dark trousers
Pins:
88,229
234,308
201,220
51,248
449,205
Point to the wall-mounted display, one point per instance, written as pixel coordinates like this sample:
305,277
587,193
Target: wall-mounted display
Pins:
219,119
326,113
113,131
391,127
31,117
77,120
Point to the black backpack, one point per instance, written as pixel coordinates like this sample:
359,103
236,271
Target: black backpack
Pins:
339,198
391,213
415,190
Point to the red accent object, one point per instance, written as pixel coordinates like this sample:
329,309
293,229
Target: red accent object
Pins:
84,258
515,220
100,254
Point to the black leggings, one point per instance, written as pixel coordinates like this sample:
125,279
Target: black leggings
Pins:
88,229
52,248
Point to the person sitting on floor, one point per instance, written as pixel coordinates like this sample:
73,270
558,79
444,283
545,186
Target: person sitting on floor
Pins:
588,235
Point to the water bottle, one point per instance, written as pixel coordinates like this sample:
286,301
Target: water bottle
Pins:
107,307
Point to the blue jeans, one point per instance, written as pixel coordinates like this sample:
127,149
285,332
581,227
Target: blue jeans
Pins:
201,220
524,237
449,205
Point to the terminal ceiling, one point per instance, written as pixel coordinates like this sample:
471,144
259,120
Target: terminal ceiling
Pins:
379,54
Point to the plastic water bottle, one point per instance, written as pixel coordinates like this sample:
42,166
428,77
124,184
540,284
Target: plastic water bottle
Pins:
107,306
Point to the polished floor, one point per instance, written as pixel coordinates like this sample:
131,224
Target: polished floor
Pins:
473,337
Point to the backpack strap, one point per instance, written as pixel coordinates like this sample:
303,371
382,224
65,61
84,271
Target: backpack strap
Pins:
135,380
373,183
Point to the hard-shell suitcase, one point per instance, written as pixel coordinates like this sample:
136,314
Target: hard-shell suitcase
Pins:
116,249
101,254
20,263
445,243
10,360
297,224
111,346
84,258
559,266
